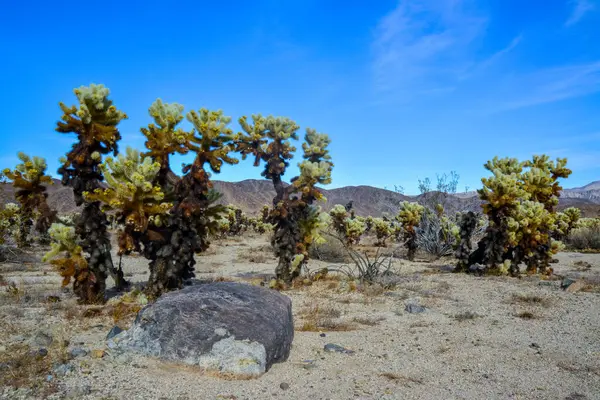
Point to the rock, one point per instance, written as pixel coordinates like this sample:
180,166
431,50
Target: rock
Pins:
284,385
227,327
114,332
78,352
322,334
414,308
336,348
575,286
566,283
42,339
63,369
42,352
98,353
477,269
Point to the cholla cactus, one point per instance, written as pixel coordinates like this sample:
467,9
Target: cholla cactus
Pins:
520,202
29,178
94,122
296,221
131,192
71,264
566,221
467,225
163,139
9,215
351,229
238,222
383,230
193,217
409,216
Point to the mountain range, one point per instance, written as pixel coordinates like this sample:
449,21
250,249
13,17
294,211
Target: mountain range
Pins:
251,194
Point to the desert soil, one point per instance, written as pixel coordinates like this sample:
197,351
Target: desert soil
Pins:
478,338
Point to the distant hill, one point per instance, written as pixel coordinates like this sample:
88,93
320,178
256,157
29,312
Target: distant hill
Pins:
251,194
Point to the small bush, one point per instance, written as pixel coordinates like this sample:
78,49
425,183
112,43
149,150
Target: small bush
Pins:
585,238
332,250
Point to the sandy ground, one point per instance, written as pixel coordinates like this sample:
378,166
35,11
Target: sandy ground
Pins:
479,338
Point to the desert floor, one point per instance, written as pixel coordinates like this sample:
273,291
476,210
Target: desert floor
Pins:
479,337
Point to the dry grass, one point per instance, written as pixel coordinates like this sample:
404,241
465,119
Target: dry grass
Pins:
322,318
369,321
526,315
401,379
466,316
24,367
530,299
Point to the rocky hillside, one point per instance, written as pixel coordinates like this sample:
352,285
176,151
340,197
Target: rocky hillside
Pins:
252,194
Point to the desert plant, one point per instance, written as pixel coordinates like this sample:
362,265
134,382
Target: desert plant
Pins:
585,236
366,269
296,220
409,216
28,179
467,225
131,192
94,122
194,217
71,264
436,234
383,230
520,202
346,225
566,221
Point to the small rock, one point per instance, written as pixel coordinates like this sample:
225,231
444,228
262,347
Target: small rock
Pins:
98,353
284,386
114,332
575,286
477,269
414,308
308,364
42,352
63,369
42,339
566,283
78,352
335,348
322,335
534,346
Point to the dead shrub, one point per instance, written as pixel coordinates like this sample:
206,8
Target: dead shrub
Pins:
584,239
322,318
466,316
331,251
369,321
530,299
402,379
526,315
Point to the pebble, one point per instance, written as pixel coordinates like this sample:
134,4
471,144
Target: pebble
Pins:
414,308
284,386
78,352
114,332
335,348
42,339
63,369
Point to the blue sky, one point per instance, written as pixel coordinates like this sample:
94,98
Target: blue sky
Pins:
405,89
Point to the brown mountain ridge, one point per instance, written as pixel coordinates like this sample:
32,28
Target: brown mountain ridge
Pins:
252,194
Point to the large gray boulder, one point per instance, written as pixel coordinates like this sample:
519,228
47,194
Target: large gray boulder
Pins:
232,328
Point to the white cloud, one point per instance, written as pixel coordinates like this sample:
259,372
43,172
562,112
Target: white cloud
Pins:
549,85
425,45
580,8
